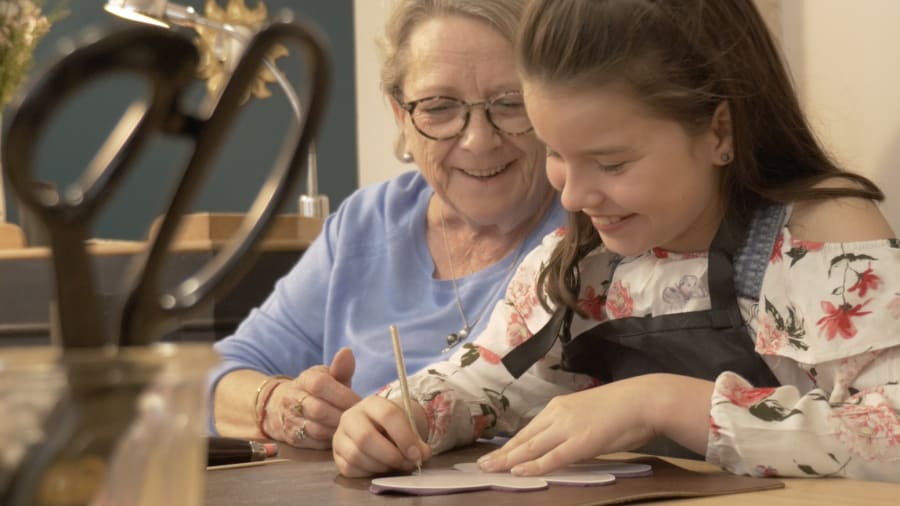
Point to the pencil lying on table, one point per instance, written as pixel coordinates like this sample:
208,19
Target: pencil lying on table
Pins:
404,388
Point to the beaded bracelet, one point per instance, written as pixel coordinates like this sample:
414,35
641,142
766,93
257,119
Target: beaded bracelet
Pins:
265,400
259,390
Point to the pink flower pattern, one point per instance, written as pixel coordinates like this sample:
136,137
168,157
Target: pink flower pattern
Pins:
776,257
867,431
865,281
714,428
523,297
516,330
849,368
894,307
592,303
764,471
437,413
839,320
664,254
480,422
488,355
769,339
585,382
619,302
744,397
806,245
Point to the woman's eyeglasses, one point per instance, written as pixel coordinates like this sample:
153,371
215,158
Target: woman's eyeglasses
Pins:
440,118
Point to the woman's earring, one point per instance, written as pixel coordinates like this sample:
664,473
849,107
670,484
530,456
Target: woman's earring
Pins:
406,157
726,157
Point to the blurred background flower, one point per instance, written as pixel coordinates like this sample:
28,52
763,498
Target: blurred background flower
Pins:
22,24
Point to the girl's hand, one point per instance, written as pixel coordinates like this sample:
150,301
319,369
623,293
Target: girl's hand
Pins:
619,416
374,437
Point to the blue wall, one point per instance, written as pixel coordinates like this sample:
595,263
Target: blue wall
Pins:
81,126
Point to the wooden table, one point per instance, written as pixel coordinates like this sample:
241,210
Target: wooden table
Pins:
311,478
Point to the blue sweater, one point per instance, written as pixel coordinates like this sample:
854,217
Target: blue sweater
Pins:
368,269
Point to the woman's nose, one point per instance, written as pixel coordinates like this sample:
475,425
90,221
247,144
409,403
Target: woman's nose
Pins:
479,134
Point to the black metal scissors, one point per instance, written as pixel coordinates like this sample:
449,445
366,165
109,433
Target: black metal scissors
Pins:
168,62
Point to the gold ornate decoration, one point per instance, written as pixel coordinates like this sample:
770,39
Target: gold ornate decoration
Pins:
219,50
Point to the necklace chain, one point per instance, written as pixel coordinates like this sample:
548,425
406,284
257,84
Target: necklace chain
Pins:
455,338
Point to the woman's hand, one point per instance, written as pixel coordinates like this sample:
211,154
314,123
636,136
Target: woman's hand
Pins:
305,412
619,416
374,437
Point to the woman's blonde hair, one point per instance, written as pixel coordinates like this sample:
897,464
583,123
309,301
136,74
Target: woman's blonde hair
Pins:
502,15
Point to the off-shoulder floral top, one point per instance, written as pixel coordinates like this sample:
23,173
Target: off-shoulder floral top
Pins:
827,322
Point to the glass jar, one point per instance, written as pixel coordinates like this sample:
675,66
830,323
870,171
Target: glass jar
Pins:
104,426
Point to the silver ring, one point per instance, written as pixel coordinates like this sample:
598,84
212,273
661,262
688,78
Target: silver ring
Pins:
300,434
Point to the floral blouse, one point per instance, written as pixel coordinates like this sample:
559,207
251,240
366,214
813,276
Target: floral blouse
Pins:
827,323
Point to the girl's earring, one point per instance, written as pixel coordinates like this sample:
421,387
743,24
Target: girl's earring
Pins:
406,157
726,157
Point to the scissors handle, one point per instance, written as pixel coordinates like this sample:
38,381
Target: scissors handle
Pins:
148,308
164,59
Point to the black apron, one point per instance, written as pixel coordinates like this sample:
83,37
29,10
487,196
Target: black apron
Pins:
699,344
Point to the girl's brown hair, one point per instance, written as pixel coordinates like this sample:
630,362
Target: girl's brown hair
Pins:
682,58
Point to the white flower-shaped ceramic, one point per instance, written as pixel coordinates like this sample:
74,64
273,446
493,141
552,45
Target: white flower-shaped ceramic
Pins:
467,477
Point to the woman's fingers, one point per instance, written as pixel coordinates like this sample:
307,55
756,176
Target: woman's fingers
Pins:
309,408
319,382
318,396
299,419
300,404
342,366
306,434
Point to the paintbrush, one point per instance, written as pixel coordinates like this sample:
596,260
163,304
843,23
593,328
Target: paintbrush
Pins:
404,388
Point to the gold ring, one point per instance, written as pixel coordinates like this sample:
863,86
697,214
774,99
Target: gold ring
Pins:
298,406
300,434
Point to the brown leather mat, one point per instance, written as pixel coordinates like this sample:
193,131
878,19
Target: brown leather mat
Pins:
669,481
311,478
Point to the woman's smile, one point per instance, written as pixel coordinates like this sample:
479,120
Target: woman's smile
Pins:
485,173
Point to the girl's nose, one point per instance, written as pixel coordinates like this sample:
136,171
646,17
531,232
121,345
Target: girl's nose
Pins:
579,190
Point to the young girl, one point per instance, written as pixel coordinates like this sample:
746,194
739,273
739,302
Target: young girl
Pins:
722,288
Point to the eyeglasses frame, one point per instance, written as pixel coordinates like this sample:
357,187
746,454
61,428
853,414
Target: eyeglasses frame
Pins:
410,107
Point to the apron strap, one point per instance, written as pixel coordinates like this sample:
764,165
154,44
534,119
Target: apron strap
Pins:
753,258
523,356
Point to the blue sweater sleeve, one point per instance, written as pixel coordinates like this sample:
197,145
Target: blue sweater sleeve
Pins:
299,324
283,335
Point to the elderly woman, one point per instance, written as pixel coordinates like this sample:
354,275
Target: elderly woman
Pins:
430,251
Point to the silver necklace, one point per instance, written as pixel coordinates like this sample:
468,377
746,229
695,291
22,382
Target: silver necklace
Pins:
455,338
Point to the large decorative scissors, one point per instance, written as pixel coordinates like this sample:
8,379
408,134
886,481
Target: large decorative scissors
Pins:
83,421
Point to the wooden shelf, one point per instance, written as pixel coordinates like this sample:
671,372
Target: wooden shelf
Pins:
11,236
198,232
28,289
